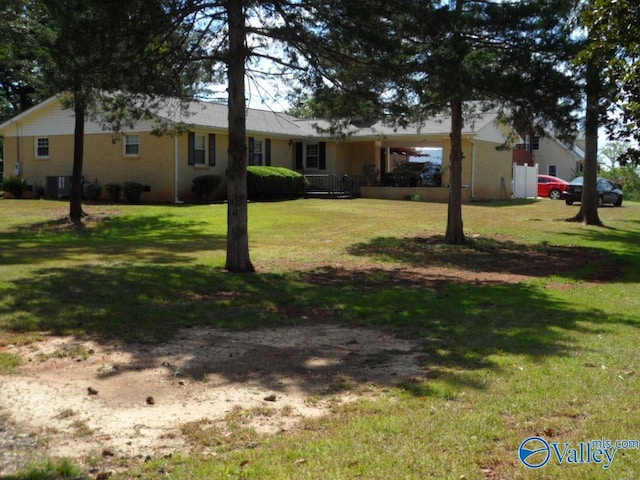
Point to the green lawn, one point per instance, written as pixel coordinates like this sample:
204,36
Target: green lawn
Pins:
532,329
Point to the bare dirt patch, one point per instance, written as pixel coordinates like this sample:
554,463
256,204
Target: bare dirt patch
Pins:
80,398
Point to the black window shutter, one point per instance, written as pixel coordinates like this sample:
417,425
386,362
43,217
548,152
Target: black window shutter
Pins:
267,152
322,160
251,147
299,156
192,148
212,149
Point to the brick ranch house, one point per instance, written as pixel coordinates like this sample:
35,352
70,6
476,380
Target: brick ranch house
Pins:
38,147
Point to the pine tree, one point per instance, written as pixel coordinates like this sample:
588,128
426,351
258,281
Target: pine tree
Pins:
424,57
104,51
21,83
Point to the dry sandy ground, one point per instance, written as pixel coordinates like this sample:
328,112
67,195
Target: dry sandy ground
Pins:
79,398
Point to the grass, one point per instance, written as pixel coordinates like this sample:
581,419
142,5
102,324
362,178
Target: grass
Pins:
552,353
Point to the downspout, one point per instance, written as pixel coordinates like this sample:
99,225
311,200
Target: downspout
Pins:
18,166
175,168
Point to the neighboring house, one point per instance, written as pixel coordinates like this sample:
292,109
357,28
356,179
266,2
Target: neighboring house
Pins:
38,146
551,155
557,159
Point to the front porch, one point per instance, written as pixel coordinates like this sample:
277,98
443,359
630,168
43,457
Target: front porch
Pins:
350,186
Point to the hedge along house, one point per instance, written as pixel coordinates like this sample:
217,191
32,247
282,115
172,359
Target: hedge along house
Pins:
38,147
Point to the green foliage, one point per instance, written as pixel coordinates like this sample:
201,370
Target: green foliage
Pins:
205,185
20,58
615,28
92,191
14,185
114,190
9,363
132,191
269,183
628,178
371,174
51,470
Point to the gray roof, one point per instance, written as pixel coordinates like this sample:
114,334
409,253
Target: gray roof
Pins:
214,115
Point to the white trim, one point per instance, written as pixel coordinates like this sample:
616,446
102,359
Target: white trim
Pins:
29,112
125,144
36,146
306,156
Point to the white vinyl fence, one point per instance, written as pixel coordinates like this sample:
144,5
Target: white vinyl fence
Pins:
525,181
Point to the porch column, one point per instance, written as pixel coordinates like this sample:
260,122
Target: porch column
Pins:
388,159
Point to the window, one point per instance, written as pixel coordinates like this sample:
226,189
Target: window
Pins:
131,145
255,151
313,156
199,150
42,148
535,143
552,170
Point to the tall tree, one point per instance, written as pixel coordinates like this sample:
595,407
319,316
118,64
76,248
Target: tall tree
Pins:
615,30
251,41
598,63
108,50
446,54
588,213
21,85
238,259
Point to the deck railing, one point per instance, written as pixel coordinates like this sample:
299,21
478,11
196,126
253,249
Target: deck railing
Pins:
335,184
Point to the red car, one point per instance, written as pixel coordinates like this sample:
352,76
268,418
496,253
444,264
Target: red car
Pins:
551,187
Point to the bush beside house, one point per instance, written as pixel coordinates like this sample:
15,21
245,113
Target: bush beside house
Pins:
92,191
204,185
272,183
15,186
132,191
114,190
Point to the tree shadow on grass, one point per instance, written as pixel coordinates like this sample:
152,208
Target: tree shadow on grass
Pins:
149,239
455,326
500,257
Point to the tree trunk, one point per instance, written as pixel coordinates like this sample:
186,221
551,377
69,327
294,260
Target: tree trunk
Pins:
237,219
455,232
75,198
588,213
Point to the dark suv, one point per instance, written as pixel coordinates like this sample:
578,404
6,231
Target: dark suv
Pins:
431,175
607,192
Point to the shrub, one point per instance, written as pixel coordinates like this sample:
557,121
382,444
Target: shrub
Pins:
92,191
39,191
205,185
132,191
114,190
269,183
15,186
